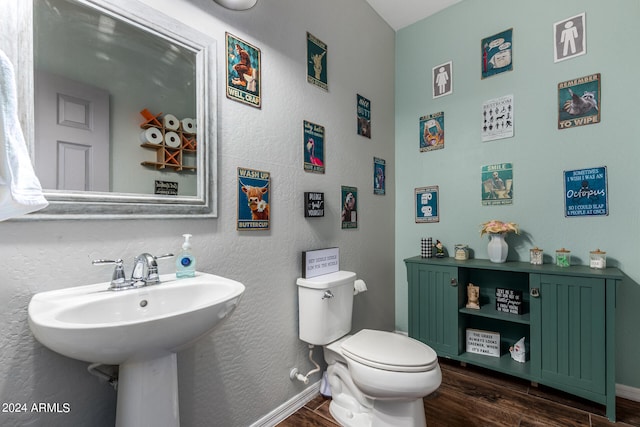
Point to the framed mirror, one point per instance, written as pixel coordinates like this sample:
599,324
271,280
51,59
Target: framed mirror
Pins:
118,108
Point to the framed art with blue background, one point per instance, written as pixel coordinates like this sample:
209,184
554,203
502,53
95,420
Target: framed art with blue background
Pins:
585,192
426,201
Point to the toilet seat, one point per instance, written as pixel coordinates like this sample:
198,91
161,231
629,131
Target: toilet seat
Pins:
389,351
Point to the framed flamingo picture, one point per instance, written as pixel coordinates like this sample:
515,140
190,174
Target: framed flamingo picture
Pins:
313,147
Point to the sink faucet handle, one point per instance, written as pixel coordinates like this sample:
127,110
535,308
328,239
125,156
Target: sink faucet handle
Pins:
118,279
163,256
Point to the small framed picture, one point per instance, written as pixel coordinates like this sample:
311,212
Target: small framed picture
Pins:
586,192
243,72
497,53
313,147
579,102
426,204
442,79
432,132
363,116
349,201
570,38
379,176
317,62
497,184
254,212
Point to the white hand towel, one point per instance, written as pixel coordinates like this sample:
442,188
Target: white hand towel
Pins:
20,190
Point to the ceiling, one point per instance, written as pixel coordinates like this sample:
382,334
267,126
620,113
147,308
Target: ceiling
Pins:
401,13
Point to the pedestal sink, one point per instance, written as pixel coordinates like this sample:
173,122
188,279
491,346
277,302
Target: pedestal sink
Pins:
139,329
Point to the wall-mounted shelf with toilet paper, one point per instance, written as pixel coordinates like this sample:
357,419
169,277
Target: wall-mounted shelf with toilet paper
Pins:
567,319
173,140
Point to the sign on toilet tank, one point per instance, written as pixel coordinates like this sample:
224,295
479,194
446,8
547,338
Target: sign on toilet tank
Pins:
319,262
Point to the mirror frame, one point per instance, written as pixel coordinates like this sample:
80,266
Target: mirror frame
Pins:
89,205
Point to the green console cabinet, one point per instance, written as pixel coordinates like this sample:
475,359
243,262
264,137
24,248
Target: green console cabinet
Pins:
565,314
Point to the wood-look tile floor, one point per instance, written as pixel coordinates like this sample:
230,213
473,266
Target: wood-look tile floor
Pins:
471,396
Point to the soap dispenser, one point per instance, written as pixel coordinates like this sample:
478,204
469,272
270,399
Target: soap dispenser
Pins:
186,262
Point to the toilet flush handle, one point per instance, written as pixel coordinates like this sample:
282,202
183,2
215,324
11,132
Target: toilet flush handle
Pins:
327,294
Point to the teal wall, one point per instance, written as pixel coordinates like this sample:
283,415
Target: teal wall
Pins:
539,151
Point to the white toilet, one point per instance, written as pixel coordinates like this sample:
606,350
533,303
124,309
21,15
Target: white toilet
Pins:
377,379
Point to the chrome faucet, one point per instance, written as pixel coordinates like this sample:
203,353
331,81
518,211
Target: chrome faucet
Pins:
144,273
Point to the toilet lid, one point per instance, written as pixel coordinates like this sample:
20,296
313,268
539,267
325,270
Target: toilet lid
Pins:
389,351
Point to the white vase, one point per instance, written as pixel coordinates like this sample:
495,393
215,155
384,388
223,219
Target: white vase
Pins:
497,248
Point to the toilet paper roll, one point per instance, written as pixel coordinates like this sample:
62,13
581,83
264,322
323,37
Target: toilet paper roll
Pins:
359,286
188,125
151,136
172,139
171,122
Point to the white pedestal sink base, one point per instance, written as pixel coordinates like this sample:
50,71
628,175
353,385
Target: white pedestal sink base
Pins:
148,393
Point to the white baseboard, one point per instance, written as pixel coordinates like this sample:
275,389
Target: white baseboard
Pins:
628,392
289,407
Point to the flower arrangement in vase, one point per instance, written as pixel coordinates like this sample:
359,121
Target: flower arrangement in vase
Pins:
498,247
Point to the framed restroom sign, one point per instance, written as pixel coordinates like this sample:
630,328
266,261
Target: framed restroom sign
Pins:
426,203
586,192
243,72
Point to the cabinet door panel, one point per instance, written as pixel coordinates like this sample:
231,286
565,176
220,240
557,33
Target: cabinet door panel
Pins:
433,307
573,331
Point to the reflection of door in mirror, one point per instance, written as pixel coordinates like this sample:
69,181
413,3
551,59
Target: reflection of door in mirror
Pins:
72,127
139,68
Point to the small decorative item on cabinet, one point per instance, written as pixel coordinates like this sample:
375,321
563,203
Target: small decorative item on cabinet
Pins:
473,296
563,257
509,301
498,248
439,249
598,259
174,140
483,342
535,256
461,252
426,247
518,351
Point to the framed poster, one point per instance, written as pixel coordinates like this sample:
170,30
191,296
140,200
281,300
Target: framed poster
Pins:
497,184
579,102
426,204
497,118
570,38
253,199
313,147
442,79
497,53
317,62
432,132
364,116
349,203
244,83
586,192
379,176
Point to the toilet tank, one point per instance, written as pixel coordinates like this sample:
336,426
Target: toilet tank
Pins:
325,304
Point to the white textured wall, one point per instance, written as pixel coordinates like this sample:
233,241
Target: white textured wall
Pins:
239,373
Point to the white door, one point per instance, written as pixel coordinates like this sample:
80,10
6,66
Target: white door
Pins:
71,134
